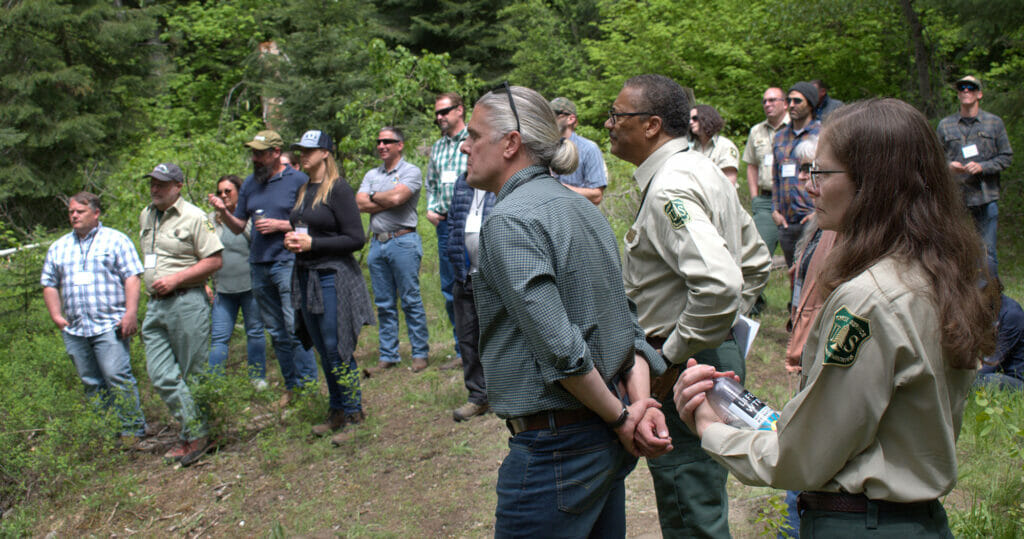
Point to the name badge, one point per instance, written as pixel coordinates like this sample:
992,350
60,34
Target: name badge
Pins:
789,170
473,221
970,151
150,261
769,160
449,176
302,229
81,278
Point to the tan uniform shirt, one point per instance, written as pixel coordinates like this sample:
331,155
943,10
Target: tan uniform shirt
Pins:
693,256
179,238
758,151
721,151
880,408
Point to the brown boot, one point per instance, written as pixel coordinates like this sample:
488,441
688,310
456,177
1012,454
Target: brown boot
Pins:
468,410
419,364
335,421
286,399
379,369
349,432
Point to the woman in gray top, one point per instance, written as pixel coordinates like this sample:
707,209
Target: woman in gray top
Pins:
233,284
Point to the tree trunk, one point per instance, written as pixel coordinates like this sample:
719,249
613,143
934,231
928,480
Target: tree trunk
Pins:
922,59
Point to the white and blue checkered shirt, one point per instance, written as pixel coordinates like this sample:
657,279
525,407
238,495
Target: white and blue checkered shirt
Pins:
90,274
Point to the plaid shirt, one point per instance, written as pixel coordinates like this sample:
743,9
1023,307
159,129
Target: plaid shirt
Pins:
90,274
445,157
987,134
787,196
549,297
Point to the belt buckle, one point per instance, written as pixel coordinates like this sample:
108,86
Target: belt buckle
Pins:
516,425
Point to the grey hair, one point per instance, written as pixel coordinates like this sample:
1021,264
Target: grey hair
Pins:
87,198
542,140
804,151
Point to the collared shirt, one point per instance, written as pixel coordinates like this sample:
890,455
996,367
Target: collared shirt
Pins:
882,416
275,197
758,151
446,163
591,171
694,259
90,273
719,150
380,180
787,197
549,297
825,109
981,139
178,237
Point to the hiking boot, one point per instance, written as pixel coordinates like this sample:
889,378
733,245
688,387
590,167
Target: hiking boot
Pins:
452,364
194,450
287,399
468,410
335,421
419,364
349,432
380,368
355,418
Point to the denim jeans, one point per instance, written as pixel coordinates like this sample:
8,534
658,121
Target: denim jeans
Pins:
342,375
272,286
225,311
565,482
395,274
986,217
447,278
104,366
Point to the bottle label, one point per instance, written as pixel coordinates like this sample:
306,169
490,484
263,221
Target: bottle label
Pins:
752,412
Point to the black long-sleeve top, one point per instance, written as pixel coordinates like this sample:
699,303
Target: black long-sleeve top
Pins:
335,226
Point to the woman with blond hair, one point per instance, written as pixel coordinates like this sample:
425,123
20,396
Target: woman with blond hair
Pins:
870,438
327,284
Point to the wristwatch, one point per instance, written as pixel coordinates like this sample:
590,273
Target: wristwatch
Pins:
371,195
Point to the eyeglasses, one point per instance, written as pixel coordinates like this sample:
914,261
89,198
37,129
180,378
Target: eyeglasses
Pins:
694,119
794,100
816,172
966,87
445,111
511,102
772,100
614,115
562,113
386,141
223,192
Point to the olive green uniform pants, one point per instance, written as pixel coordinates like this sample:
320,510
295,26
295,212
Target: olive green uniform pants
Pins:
929,521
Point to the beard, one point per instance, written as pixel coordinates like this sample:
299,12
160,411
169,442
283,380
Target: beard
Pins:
261,173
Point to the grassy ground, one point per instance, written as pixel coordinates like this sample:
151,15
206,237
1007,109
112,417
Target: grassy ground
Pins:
411,471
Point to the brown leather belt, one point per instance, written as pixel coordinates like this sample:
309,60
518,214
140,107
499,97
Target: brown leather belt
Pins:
854,503
766,192
661,386
546,420
384,237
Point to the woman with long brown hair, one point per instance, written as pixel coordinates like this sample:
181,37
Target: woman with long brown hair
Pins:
870,438
327,284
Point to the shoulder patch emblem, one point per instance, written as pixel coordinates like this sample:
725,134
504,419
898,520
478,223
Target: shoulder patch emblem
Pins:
209,225
848,333
734,153
676,213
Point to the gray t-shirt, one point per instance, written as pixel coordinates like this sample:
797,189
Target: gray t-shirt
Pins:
472,239
379,180
233,277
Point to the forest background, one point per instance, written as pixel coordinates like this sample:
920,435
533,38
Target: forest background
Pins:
94,93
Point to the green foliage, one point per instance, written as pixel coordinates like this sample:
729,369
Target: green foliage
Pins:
71,74
772,517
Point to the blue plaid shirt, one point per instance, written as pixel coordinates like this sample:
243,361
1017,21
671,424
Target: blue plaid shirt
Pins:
787,196
90,274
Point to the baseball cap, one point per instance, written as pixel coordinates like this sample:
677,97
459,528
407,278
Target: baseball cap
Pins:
266,139
969,79
314,138
167,172
562,104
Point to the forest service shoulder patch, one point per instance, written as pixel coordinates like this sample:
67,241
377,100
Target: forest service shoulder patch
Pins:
848,333
676,213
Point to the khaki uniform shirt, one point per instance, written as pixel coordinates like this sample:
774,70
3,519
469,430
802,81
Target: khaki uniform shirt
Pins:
721,151
758,151
880,408
179,238
694,259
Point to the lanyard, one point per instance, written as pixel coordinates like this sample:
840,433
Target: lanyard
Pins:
85,252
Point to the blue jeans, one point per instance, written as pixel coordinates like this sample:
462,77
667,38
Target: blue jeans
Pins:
447,278
225,311
986,217
104,366
395,274
791,528
566,482
342,375
272,286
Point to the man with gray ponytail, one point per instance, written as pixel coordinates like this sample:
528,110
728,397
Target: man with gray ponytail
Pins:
694,261
565,360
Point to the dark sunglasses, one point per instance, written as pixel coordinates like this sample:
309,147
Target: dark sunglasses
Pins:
966,87
511,102
794,100
694,119
224,191
445,111
562,113
387,141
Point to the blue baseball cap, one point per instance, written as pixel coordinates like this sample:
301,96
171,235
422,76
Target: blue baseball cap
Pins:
314,138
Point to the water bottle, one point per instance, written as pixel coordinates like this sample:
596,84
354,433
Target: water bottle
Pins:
740,408
258,214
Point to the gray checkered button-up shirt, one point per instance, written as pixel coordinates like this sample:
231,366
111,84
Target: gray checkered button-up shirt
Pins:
549,297
90,272
981,139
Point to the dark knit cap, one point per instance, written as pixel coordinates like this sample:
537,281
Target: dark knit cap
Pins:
808,90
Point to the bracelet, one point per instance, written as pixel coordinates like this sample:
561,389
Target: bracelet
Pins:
621,419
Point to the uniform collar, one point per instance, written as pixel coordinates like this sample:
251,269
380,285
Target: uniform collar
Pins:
654,162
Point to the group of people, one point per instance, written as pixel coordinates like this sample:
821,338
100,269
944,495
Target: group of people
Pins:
593,359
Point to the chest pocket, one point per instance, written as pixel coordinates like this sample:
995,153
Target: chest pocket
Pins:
986,145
